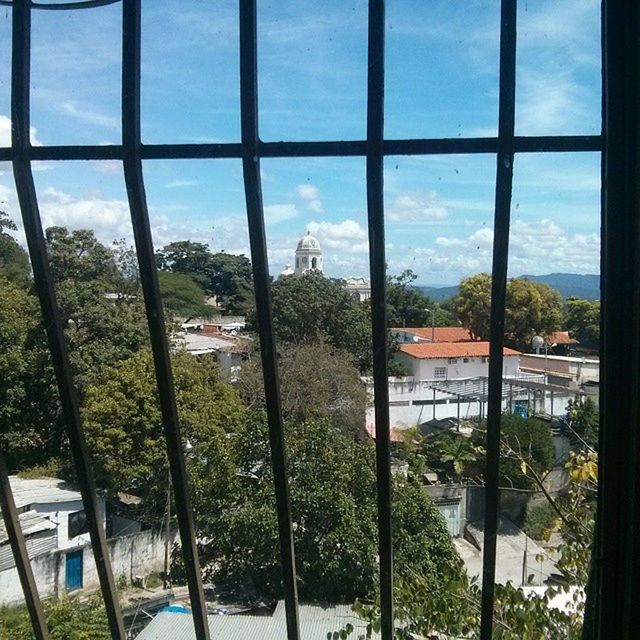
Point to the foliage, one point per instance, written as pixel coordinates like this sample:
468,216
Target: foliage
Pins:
14,261
540,521
123,423
29,410
67,619
457,455
312,308
583,320
332,490
582,421
224,275
182,296
531,308
316,381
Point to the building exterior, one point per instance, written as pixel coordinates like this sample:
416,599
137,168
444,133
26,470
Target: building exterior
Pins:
432,334
308,255
359,287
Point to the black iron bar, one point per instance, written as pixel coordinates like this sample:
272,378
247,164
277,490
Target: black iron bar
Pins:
259,259
318,149
377,265
20,78
20,555
60,6
155,314
504,182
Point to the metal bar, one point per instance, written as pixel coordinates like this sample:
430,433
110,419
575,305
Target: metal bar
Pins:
613,589
259,259
377,265
504,180
59,6
20,555
319,149
153,304
20,98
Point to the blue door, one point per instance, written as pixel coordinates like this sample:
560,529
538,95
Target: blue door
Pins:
73,570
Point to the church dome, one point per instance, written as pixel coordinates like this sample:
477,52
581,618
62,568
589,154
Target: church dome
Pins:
308,243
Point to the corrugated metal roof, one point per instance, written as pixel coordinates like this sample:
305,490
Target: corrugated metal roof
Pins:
40,538
315,623
30,523
27,491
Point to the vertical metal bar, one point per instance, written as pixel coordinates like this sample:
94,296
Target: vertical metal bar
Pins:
20,129
20,555
257,237
613,588
377,265
131,142
504,180
257,240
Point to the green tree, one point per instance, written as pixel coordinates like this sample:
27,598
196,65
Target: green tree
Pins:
582,421
583,320
14,261
531,308
316,381
407,306
312,308
473,305
457,455
182,296
332,489
224,275
124,428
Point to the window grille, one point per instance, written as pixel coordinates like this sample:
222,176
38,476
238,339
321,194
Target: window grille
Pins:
440,372
612,596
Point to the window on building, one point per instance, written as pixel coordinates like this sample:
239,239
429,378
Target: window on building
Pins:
77,524
440,373
453,360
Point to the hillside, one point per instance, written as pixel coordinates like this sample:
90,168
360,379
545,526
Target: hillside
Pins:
568,284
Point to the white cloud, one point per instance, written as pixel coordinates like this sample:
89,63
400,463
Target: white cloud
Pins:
71,109
311,195
177,184
275,213
347,235
5,133
417,207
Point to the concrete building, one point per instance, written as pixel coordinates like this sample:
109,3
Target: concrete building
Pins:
308,255
359,287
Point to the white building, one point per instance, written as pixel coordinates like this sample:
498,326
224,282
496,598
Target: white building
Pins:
308,255
359,287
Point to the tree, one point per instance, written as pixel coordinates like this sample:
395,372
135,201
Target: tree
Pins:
583,320
531,308
29,411
473,305
14,261
456,454
124,430
182,295
316,381
80,256
407,306
582,421
224,275
332,489
312,308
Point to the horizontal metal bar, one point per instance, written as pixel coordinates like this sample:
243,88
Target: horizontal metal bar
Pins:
62,6
316,149
131,54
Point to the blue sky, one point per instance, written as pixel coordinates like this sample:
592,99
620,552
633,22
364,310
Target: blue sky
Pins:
442,74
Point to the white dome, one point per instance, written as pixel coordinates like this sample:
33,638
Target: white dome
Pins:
309,243
287,271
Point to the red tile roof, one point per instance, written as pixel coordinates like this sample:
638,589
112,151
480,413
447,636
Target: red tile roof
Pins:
394,434
423,350
441,334
561,337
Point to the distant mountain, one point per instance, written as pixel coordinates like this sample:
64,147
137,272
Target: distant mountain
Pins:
568,284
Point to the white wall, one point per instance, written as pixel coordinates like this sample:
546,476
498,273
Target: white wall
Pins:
138,554
424,368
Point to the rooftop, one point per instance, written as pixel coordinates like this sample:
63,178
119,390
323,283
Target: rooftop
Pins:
30,523
315,623
438,350
441,334
27,491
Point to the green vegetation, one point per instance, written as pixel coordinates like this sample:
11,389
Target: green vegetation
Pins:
583,320
540,521
182,296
